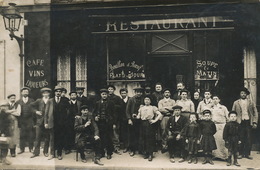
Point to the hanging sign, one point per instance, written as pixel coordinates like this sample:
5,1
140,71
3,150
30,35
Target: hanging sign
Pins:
206,70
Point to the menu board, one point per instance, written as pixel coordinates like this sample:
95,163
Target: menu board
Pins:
206,70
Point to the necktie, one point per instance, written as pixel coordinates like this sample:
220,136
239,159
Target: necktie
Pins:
58,100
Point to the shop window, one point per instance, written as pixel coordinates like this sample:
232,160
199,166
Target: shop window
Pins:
63,71
81,71
170,43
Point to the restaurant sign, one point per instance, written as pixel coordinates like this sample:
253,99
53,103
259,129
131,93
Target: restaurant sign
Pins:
206,70
117,26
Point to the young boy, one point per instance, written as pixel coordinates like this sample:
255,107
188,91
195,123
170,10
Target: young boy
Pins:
208,143
231,135
191,133
87,131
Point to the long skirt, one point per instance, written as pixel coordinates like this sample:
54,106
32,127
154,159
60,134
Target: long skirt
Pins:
147,137
221,151
208,143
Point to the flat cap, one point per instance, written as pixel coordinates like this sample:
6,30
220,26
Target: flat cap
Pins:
177,107
45,89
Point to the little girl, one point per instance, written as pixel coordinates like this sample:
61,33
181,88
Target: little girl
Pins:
208,143
191,133
149,115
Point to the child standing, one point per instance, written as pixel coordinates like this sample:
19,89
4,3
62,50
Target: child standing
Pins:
208,129
232,138
191,134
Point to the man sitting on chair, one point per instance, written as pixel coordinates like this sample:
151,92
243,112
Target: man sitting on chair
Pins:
87,132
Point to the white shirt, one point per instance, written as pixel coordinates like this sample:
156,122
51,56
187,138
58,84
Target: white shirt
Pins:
25,99
57,99
125,99
177,118
73,101
244,109
45,100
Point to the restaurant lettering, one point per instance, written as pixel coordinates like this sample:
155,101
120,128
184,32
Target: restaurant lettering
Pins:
164,24
206,70
35,73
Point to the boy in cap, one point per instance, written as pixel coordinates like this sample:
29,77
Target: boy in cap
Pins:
175,125
73,110
87,131
14,109
231,135
117,103
132,108
38,109
165,107
208,143
247,117
55,121
104,116
25,121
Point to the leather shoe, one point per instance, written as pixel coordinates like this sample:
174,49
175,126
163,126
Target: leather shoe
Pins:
164,150
211,162
125,150
172,160
46,154
20,152
84,160
249,157
13,155
132,153
117,152
59,157
98,162
181,160
236,164
150,158
146,156
205,161
33,156
109,156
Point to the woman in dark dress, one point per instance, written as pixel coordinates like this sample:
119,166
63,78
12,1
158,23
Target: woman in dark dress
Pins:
191,134
208,143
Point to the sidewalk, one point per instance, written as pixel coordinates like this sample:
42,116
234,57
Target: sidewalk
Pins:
118,162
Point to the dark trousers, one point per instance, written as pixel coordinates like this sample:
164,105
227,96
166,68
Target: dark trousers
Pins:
3,153
41,133
176,146
115,138
69,137
26,136
50,138
124,134
134,133
106,132
95,144
59,140
246,138
147,137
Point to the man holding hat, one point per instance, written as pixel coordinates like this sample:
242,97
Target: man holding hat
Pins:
247,117
55,121
132,108
83,99
165,107
104,116
25,121
87,131
38,109
173,129
73,110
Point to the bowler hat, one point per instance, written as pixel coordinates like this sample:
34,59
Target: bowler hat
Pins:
10,95
245,90
83,107
45,89
103,90
177,107
58,88
25,88
111,86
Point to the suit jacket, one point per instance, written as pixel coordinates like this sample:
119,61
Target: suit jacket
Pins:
117,106
251,108
38,105
56,113
132,107
78,106
171,124
123,109
110,111
80,127
26,112
83,100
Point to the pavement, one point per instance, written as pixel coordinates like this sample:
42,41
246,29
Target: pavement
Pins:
119,162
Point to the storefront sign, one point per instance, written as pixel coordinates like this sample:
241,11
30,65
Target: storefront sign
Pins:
35,73
126,71
206,70
212,22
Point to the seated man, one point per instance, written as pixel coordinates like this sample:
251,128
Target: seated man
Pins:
87,131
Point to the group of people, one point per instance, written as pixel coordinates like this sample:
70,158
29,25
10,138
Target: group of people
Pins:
145,123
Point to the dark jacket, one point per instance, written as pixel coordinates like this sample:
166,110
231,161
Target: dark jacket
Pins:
26,112
80,128
133,106
5,124
38,105
122,115
176,127
79,104
110,111
117,105
55,113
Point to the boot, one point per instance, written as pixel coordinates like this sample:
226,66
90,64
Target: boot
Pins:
150,158
205,160
235,161
12,151
229,161
190,159
195,160
210,161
